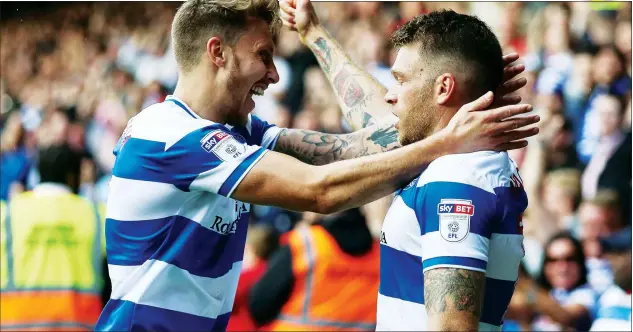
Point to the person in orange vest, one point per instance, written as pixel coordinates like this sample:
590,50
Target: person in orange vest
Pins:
52,252
326,278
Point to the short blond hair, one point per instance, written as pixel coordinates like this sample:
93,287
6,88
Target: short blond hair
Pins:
567,179
197,20
606,198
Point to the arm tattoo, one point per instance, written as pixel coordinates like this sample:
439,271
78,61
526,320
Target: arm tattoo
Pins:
349,89
368,120
319,148
449,290
384,136
323,53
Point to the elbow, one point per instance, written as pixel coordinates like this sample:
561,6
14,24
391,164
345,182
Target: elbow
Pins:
320,194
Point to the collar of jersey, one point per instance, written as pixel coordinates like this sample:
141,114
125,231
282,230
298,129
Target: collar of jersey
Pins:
182,105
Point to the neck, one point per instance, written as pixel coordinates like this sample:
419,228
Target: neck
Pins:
202,94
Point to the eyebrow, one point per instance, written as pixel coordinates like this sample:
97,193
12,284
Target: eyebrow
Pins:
265,47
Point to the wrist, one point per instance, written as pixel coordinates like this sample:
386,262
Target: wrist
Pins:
445,143
448,141
311,33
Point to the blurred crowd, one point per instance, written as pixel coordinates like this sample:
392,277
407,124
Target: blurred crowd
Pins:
74,73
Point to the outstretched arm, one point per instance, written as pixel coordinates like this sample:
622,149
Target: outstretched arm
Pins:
320,148
359,94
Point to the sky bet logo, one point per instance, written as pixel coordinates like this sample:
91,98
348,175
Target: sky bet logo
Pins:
454,208
212,138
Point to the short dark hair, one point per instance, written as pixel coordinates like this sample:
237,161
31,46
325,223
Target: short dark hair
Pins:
462,37
59,164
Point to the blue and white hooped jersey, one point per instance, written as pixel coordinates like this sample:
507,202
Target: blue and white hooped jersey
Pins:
464,211
614,311
174,237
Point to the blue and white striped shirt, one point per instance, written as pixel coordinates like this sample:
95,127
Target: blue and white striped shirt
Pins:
174,237
464,211
614,311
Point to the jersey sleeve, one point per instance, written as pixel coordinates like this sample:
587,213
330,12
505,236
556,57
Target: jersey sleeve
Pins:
208,159
266,133
456,224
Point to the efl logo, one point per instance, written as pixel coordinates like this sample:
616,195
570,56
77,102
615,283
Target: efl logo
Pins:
454,218
212,138
454,208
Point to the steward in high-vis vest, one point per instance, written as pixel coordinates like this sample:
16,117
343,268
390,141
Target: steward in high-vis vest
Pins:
325,279
52,249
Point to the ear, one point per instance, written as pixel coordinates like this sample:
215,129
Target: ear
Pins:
216,51
444,88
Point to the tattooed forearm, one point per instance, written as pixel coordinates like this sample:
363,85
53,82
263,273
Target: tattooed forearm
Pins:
384,136
368,120
323,53
319,148
348,88
454,296
357,91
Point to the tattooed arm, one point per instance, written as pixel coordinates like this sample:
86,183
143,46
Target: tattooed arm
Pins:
453,299
319,148
360,95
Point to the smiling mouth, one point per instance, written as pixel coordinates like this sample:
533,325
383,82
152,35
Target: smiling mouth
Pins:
258,91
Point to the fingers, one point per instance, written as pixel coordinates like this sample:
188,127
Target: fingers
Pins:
287,15
511,86
509,72
511,146
285,6
287,18
516,135
502,113
516,123
507,100
510,58
480,103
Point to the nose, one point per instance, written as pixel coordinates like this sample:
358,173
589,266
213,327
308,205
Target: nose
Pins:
391,98
273,75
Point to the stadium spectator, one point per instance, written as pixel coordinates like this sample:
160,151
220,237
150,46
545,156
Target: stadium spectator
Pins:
599,217
614,306
53,248
609,110
325,278
15,158
561,296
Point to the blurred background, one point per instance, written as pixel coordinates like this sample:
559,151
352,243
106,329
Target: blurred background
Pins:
73,74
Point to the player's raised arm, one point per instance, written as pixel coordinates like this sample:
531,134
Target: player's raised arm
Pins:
320,148
359,94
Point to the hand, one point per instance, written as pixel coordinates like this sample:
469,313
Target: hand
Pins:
298,15
473,129
504,94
